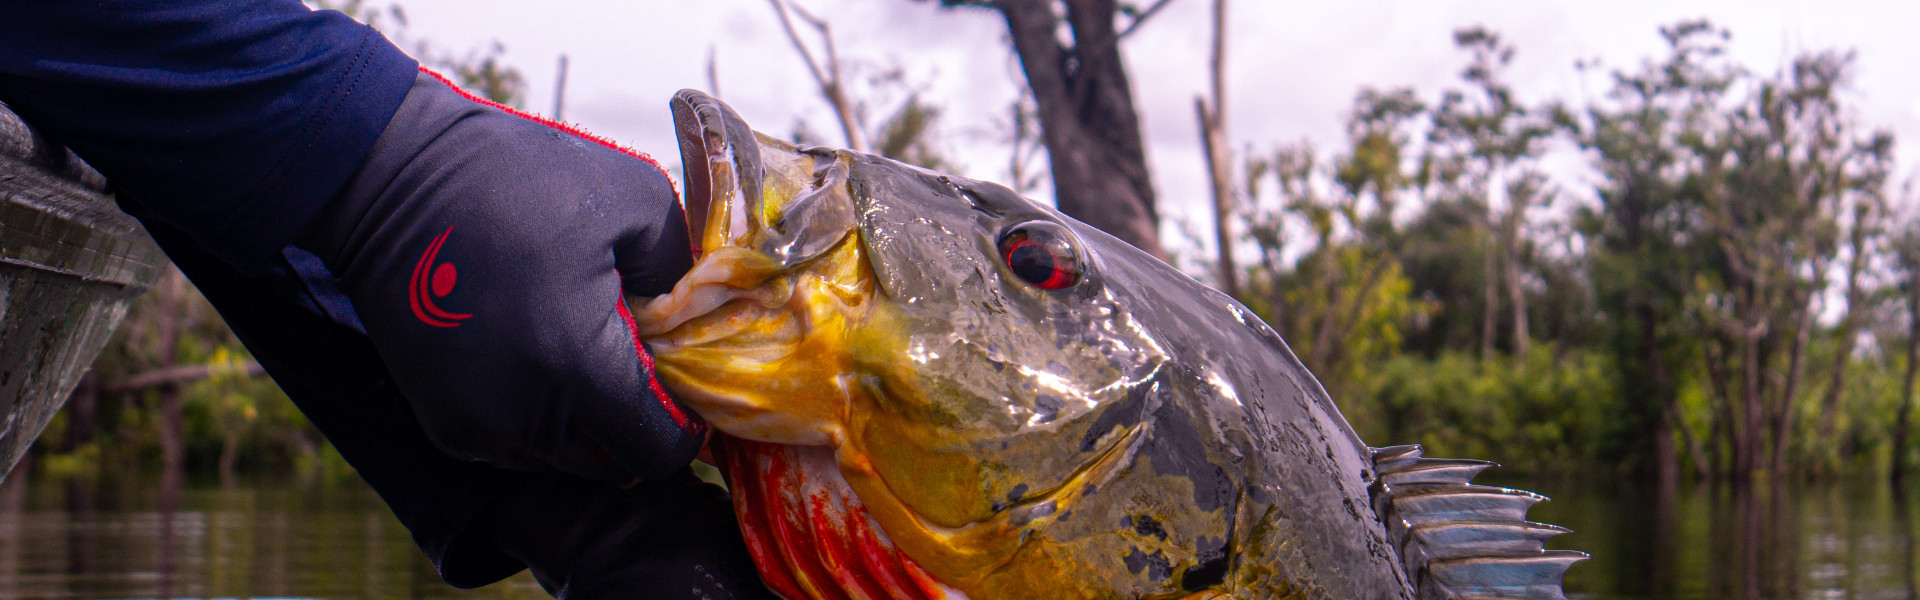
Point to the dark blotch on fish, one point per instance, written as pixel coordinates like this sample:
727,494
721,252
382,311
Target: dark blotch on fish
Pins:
1212,566
1018,492
1147,525
1176,449
1047,407
1156,566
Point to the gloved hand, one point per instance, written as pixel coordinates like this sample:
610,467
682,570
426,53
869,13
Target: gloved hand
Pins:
486,253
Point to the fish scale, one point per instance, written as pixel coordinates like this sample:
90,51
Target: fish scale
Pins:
903,414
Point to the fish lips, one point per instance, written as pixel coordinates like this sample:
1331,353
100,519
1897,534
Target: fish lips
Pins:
720,159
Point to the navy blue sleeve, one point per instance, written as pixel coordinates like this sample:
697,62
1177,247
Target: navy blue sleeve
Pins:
233,120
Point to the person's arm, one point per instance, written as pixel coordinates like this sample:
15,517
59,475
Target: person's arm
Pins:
241,122
483,254
234,120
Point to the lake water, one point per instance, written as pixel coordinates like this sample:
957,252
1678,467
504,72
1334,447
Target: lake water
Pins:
135,538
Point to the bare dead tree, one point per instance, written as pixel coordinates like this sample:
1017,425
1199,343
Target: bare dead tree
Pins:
1213,137
828,75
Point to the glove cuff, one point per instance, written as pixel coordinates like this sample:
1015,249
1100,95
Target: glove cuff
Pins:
430,108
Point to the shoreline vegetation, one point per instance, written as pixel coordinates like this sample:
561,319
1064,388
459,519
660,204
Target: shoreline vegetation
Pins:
1729,294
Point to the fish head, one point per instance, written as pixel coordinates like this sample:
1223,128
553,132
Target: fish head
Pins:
989,377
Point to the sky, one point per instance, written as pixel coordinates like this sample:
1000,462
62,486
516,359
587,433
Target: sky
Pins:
1293,67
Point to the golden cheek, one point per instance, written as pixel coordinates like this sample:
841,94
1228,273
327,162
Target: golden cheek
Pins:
772,362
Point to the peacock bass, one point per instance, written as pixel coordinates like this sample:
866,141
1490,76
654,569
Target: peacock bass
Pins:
928,386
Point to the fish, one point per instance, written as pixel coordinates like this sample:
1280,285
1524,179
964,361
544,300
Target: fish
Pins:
928,386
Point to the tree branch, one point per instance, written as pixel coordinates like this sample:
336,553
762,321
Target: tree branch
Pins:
1142,18
828,76
181,374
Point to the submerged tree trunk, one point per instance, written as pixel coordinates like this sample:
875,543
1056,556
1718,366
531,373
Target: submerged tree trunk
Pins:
82,407
1904,425
1720,440
1753,405
1666,457
172,295
1087,116
1783,413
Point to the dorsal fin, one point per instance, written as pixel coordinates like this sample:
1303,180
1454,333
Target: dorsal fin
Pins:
1460,541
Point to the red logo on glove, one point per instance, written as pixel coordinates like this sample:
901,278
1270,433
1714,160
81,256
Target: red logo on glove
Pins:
437,280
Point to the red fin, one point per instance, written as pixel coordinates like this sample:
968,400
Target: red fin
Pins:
807,531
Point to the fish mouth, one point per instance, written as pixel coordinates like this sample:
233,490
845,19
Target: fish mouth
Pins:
758,336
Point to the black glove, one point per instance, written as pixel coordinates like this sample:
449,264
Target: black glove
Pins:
486,252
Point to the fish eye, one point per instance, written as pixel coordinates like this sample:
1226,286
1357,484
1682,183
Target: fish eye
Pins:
1041,253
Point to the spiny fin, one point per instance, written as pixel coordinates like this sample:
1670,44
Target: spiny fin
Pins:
1460,541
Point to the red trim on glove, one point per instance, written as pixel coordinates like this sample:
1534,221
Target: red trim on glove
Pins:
569,128
690,426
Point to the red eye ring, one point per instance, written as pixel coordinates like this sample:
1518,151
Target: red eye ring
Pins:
1042,254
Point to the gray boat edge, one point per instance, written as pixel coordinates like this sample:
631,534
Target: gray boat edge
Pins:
70,264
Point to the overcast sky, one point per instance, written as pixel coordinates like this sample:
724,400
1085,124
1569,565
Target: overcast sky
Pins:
1293,66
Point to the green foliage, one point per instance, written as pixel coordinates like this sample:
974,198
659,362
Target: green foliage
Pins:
1344,303
1540,413
1679,307
229,419
1342,331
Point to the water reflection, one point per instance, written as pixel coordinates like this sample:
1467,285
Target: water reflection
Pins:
1772,541
160,536
163,537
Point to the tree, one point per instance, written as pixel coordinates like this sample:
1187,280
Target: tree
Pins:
1343,303
1636,230
1865,191
1769,183
1906,254
1085,104
1491,142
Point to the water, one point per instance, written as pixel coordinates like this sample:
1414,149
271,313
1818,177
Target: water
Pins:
1849,539
113,539
117,539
